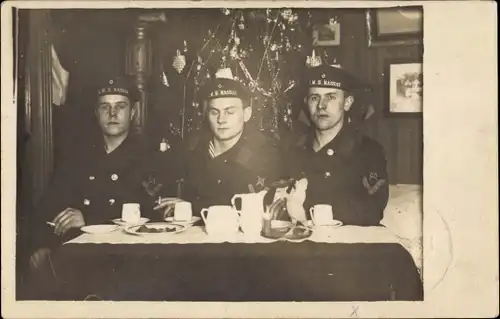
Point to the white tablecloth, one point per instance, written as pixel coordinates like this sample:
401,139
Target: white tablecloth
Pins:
402,218
197,235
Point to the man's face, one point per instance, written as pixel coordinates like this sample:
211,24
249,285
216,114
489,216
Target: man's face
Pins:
114,114
327,106
227,116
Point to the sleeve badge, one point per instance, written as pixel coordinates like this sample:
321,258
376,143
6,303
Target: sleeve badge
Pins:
373,182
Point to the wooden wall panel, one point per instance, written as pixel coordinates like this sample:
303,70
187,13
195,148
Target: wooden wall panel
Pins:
401,137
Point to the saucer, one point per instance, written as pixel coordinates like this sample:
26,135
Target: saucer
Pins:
332,223
121,222
99,229
193,220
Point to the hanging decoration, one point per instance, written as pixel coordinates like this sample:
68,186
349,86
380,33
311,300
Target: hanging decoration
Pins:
313,60
179,62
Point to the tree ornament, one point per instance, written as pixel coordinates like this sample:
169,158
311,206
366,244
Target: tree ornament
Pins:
313,60
179,62
333,21
241,25
164,79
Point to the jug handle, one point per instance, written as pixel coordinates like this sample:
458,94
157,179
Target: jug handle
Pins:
233,200
311,211
202,213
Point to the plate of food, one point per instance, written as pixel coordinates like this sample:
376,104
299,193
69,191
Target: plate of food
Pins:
291,233
121,222
298,234
99,229
155,229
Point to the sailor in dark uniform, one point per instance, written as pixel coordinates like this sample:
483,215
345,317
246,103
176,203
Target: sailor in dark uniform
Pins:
230,158
92,184
344,168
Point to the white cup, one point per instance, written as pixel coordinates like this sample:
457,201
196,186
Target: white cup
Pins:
183,211
131,212
321,214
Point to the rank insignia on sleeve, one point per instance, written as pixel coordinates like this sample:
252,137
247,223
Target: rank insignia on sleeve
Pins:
372,178
373,183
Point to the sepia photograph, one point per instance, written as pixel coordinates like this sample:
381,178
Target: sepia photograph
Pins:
222,154
165,151
405,87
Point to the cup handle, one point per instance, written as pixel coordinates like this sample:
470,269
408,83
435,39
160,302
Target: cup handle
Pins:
202,213
311,212
234,199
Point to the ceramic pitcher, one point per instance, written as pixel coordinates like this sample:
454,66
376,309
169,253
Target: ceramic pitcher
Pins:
220,219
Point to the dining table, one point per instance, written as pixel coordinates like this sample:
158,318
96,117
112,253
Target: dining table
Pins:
347,263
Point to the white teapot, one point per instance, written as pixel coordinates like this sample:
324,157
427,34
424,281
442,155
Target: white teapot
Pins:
220,220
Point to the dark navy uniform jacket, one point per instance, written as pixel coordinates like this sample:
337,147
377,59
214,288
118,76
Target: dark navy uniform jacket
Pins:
253,160
96,183
348,173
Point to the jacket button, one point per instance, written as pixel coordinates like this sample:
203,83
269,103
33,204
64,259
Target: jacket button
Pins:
114,177
219,181
91,177
327,174
86,202
111,201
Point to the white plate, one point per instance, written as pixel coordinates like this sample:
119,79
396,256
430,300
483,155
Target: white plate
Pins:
99,229
186,223
121,222
134,230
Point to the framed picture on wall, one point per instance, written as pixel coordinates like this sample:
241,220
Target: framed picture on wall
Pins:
404,88
394,26
326,35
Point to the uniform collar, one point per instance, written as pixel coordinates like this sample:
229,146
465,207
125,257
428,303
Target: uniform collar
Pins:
342,144
241,152
127,146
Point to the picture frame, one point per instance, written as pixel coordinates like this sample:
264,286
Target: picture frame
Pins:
394,26
325,35
404,88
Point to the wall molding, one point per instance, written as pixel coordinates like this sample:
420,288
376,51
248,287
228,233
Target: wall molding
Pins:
40,92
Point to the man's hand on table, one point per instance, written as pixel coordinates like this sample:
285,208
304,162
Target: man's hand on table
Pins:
68,219
167,204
